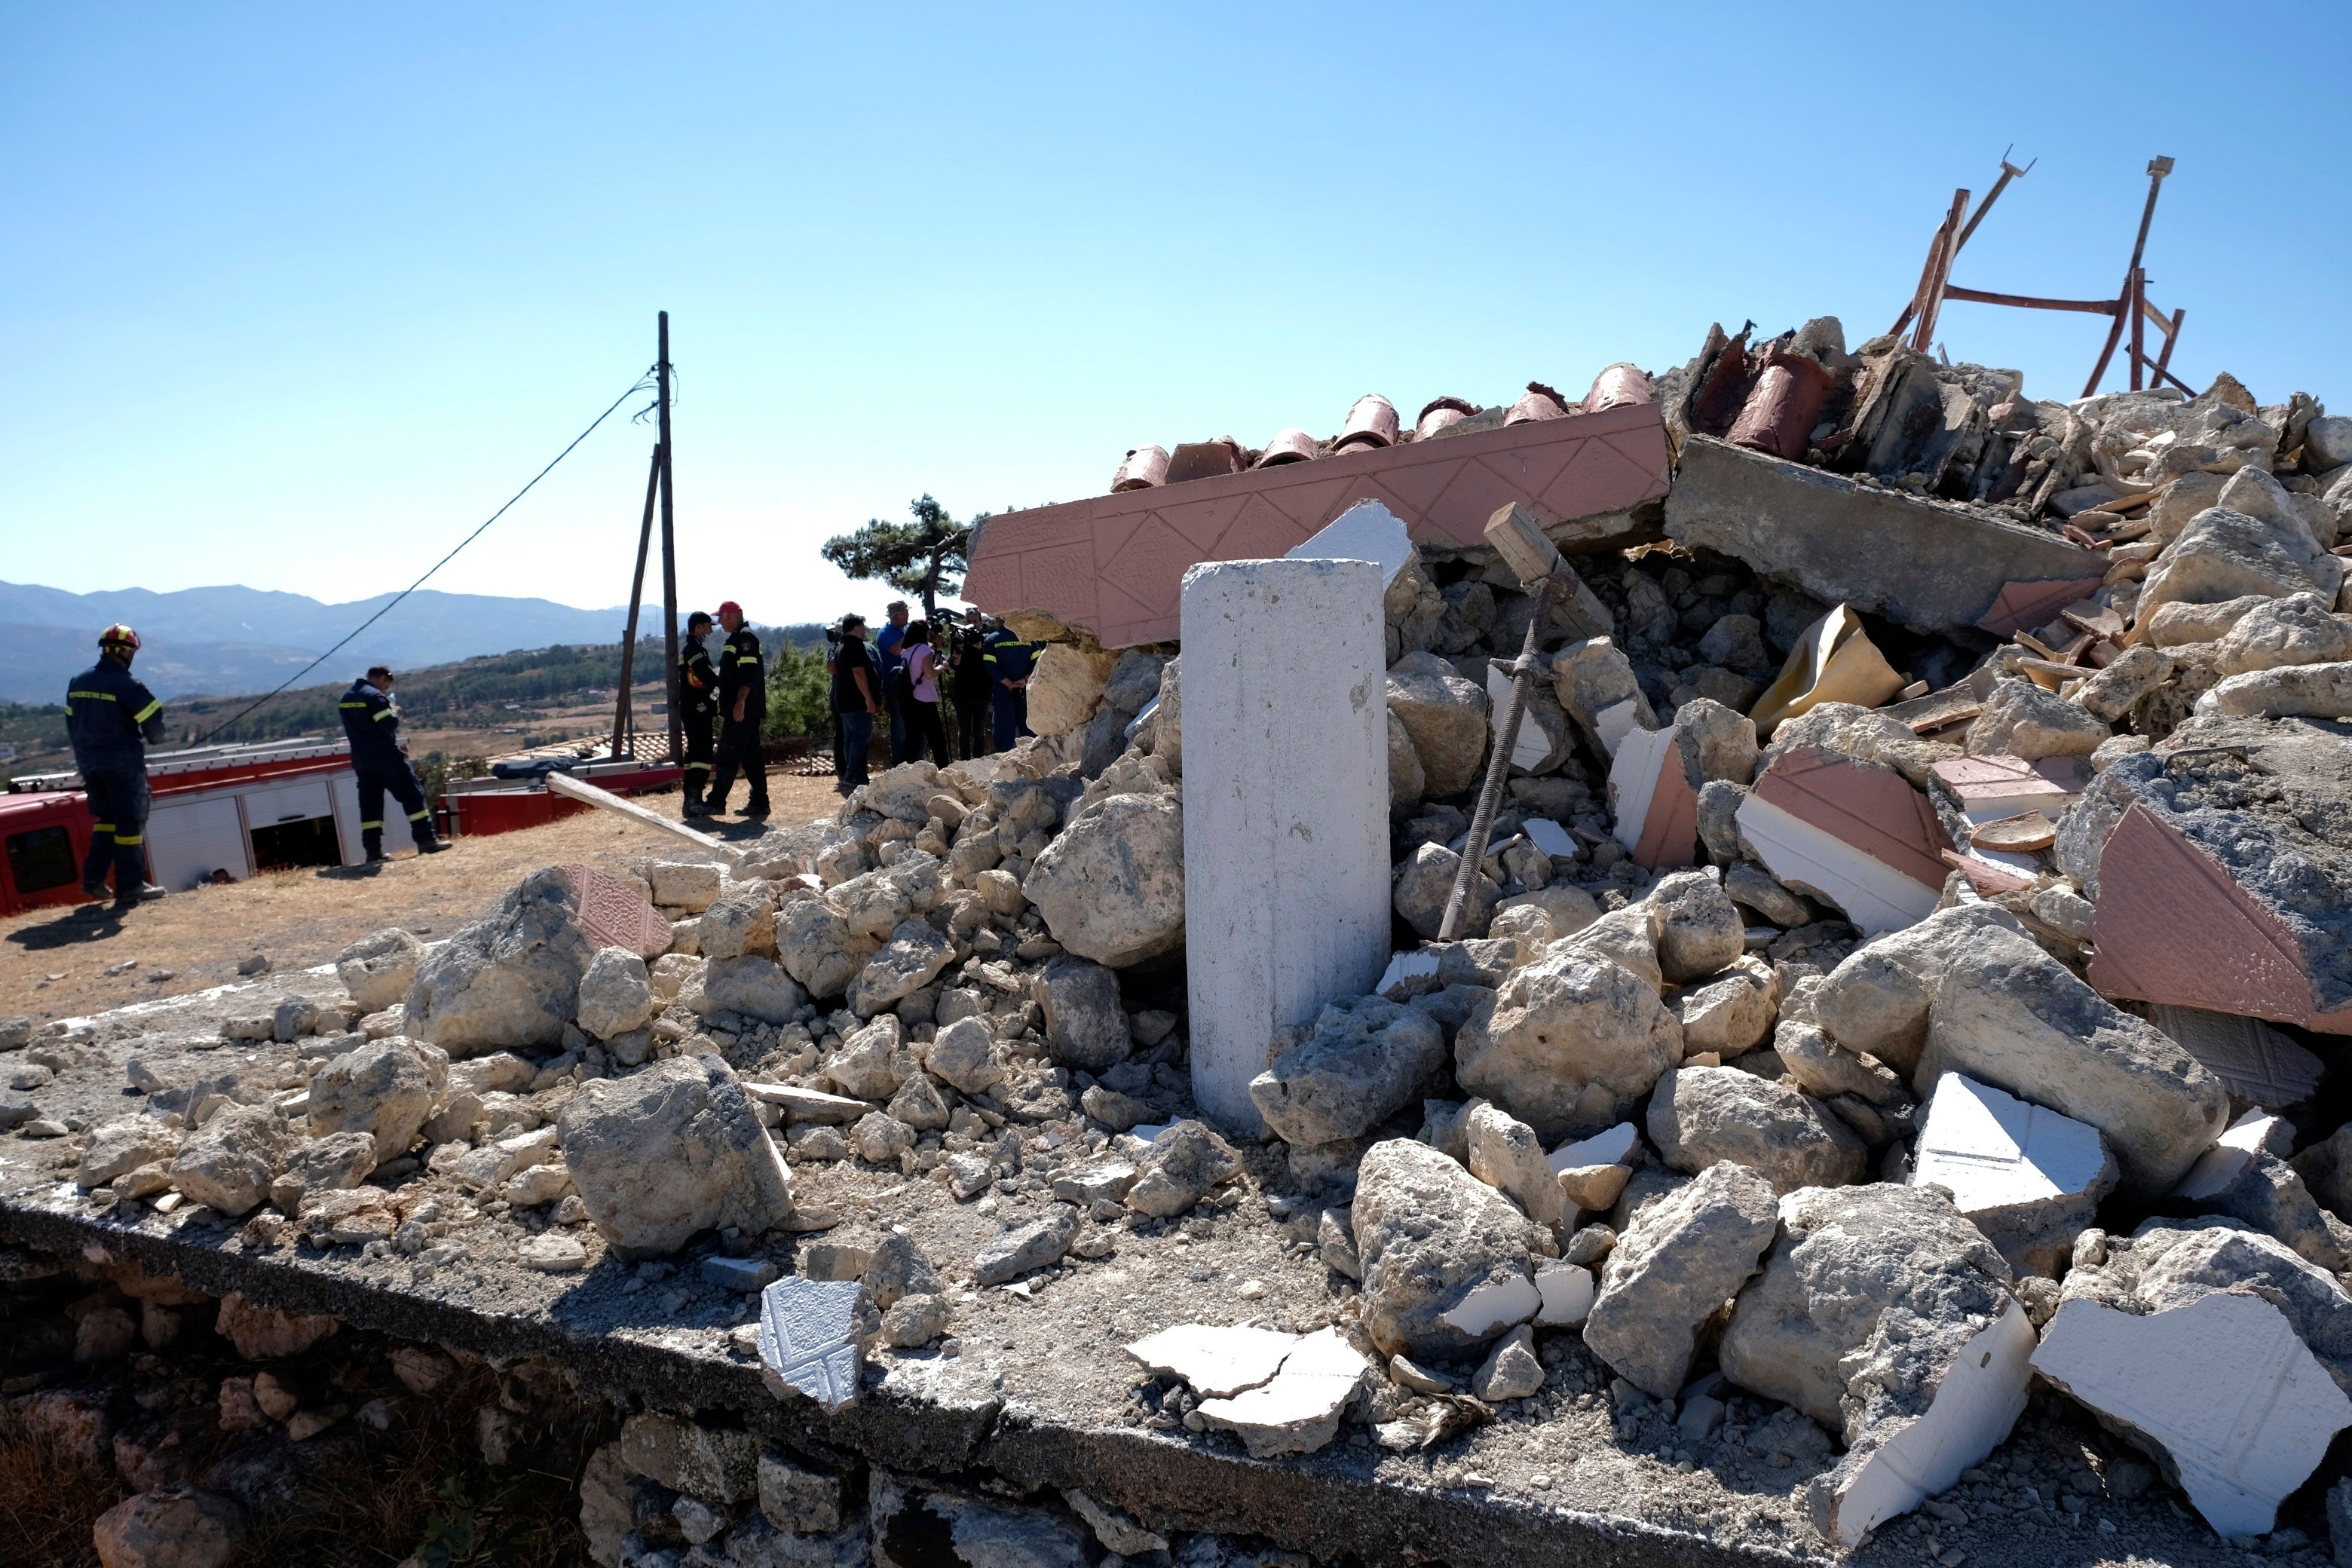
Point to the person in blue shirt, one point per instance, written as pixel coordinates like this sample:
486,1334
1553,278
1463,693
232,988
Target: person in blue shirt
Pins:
889,644
111,719
1009,662
380,759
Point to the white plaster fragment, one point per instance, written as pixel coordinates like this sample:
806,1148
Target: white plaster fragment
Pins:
1296,1411
1994,1150
1977,1401
2242,1415
1365,532
1216,1362
1556,843
1615,1147
1633,780
1495,1305
2250,1134
1567,1289
1616,721
1533,743
1402,967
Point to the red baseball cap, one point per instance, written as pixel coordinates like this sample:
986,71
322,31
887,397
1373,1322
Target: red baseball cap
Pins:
731,609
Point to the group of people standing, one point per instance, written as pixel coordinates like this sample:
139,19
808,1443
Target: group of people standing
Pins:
908,670
981,666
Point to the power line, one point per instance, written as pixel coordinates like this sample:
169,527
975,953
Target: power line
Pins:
642,384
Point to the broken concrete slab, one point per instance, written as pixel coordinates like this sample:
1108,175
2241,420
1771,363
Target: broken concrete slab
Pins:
1926,564
1678,1260
1288,890
2254,1061
2027,1177
2247,1430
2226,885
1851,833
2253,1133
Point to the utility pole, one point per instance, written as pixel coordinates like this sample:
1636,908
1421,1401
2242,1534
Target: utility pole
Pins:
624,727
669,543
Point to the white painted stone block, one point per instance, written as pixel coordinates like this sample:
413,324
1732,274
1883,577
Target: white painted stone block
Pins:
2224,1388
1285,807
1365,532
1613,1147
2254,1132
1978,1401
1556,843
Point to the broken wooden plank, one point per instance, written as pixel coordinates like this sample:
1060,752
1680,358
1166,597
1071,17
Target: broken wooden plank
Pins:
604,800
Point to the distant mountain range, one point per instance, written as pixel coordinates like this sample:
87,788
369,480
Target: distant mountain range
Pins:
216,641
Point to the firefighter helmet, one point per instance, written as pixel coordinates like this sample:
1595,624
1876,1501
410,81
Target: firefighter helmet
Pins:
118,636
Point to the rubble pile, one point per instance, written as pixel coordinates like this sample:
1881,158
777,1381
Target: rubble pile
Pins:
1859,1011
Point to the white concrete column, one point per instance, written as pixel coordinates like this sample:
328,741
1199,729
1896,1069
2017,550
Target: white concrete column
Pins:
1285,807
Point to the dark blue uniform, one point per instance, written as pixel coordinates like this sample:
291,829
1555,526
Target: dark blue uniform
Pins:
697,690
1008,659
741,675
372,725
112,720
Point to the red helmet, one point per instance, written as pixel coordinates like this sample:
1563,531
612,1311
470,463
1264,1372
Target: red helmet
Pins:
118,636
730,608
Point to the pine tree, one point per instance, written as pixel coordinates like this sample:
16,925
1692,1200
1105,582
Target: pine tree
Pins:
915,557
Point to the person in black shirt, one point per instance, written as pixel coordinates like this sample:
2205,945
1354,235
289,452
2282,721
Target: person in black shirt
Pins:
111,719
969,671
698,689
857,697
742,709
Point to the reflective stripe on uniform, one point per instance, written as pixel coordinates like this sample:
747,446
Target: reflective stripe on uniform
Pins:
131,838
387,713
418,816
147,712
698,767
351,704
747,658
103,827
93,696
365,827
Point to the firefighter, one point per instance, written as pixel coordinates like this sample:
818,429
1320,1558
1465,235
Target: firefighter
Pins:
1009,660
112,720
380,759
742,706
698,691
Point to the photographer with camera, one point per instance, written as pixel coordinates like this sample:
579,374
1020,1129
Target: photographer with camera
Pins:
968,668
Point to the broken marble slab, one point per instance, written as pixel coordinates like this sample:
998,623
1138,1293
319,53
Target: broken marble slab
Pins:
2027,1177
2248,1425
811,1337
1215,1362
2253,1061
1298,1409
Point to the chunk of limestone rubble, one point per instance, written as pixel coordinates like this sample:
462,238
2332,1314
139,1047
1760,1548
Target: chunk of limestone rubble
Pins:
1445,1256
2028,1178
1883,1315
1679,1259
1505,1154
2244,1432
811,1337
1298,1410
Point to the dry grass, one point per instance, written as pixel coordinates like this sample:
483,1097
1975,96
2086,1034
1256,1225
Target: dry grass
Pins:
304,918
48,1502
422,1490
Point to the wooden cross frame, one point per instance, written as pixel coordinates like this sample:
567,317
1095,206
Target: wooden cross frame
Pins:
2130,307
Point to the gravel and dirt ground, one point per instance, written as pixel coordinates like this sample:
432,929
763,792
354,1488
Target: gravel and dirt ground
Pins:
59,962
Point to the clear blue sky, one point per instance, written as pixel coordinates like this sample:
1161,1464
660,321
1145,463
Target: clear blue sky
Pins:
296,295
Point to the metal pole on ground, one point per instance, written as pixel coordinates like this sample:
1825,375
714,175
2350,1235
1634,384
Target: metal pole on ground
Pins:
624,721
